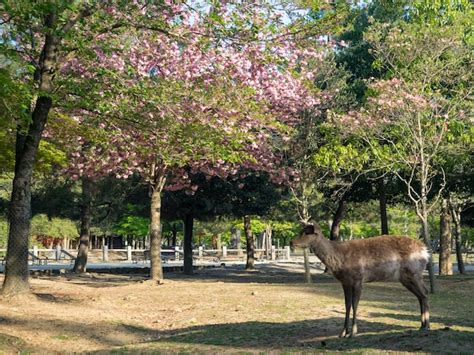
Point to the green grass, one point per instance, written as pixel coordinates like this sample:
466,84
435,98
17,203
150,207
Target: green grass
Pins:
12,345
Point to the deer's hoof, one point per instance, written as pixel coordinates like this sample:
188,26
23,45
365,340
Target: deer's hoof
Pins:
353,331
343,334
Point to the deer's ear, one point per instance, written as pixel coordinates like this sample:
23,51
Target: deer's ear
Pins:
317,228
309,229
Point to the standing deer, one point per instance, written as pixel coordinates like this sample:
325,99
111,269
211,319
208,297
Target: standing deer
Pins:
374,259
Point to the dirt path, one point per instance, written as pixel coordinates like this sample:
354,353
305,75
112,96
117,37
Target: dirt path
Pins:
223,310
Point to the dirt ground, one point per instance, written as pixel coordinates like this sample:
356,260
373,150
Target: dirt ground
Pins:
228,310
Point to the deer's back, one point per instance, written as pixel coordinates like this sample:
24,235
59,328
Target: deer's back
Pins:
381,258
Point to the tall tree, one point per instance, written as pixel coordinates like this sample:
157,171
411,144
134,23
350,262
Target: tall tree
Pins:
407,120
37,31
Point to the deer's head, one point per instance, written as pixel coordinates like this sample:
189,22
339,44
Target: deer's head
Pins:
307,236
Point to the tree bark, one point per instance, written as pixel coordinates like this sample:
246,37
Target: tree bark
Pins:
156,270
268,241
250,244
445,265
383,207
188,244
175,233
456,214
80,263
427,241
16,269
338,218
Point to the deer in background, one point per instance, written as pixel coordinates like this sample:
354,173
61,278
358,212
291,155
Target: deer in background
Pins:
381,258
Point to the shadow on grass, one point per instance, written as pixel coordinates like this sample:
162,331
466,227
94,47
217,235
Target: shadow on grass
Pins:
306,335
317,334
48,297
263,273
447,320
96,280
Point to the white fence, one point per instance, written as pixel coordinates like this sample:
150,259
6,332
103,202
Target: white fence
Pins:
43,256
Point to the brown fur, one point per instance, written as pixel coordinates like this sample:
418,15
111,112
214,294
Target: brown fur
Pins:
374,259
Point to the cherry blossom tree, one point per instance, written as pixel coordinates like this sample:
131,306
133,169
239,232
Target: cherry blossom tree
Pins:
166,105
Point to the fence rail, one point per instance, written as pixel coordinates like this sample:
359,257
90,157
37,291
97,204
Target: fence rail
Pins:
58,254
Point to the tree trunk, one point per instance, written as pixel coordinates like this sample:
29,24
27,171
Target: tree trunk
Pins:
250,244
336,224
188,244
383,207
445,265
338,218
156,270
235,234
16,269
268,241
175,233
427,241
86,217
456,214
238,242
219,242
233,230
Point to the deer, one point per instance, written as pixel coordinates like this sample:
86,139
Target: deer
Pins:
382,258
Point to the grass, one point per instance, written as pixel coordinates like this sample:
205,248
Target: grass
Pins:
230,311
389,324
10,344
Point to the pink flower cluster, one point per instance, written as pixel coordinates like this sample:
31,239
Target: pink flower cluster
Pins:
392,102
208,104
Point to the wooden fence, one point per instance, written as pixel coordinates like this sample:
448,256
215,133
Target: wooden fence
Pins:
58,254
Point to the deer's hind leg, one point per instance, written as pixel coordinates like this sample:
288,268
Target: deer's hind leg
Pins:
414,284
425,316
348,302
356,293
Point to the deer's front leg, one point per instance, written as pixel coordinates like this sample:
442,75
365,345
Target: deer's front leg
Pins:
348,300
356,292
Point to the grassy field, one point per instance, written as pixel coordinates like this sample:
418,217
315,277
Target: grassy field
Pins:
230,311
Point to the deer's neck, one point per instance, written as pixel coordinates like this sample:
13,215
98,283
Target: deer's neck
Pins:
327,251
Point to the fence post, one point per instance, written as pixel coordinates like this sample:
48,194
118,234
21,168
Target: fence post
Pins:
35,250
129,253
58,252
287,252
224,251
200,252
307,270
273,253
105,253
176,253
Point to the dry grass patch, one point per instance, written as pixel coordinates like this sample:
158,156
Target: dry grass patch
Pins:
229,310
